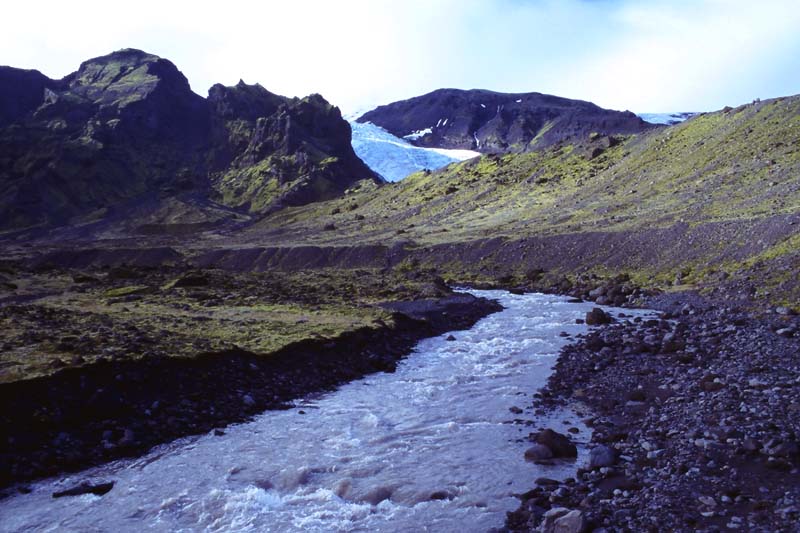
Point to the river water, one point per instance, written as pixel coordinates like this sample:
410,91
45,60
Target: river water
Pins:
430,447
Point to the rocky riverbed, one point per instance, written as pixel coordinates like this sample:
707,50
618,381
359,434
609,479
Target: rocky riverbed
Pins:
696,419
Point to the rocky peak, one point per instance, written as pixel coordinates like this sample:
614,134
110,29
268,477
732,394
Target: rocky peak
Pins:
126,76
243,101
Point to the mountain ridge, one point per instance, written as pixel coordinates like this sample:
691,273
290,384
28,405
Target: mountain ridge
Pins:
494,122
127,125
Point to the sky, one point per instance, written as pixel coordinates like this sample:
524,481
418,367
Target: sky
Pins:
640,55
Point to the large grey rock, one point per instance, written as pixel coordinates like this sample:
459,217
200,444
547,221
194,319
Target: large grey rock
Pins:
597,317
562,520
559,444
86,487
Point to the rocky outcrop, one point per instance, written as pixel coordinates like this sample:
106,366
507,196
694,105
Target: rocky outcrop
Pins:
21,92
126,129
272,151
493,122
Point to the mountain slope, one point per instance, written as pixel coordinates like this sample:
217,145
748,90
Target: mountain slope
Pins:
126,128
492,122
714,198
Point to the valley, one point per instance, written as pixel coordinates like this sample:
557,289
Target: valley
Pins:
173,264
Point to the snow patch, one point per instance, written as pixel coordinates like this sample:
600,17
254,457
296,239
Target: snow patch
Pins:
518,101
414,135
483,106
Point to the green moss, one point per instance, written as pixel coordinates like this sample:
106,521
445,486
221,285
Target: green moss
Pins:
127,291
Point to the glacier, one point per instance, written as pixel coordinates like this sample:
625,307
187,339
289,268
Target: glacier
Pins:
395,158
666,118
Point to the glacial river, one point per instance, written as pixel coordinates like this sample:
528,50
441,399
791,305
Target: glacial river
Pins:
430,447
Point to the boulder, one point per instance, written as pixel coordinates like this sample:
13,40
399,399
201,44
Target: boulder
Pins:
597,317
86,488
562,520
559,444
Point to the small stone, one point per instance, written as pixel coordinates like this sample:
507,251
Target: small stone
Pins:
128,438
450,338
750,444
602,456
708,501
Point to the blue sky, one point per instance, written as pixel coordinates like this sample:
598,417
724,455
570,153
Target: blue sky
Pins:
646,56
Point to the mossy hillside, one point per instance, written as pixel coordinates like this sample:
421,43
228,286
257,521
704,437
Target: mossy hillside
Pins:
707,202
730,165
147,313
490,196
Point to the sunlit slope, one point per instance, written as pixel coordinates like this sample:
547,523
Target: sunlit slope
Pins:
734,164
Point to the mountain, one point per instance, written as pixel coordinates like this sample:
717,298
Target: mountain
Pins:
125,130
395,158
492,122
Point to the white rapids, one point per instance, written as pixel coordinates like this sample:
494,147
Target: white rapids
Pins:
430,447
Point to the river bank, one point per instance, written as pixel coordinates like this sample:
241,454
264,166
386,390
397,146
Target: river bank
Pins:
435,445
134,381
694,418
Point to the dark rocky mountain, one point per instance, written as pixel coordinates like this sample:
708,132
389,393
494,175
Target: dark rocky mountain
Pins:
492,122
126,129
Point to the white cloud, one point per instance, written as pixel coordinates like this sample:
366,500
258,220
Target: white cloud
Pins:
655,56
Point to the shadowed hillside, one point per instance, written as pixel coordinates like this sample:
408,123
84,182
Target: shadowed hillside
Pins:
125,137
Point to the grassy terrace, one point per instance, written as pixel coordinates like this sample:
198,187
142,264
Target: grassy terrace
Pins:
57,319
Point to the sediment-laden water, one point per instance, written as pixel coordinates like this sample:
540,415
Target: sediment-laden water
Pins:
431,447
